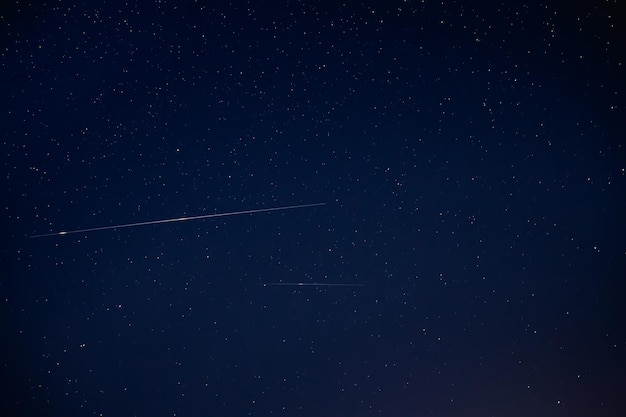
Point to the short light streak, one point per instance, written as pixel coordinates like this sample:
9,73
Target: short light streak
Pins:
309,284
178,219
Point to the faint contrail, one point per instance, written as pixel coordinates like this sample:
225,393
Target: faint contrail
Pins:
178,219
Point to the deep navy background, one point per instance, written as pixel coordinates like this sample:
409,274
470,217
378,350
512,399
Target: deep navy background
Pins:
471,155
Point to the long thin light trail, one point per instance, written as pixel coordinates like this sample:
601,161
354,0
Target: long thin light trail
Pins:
308,284
178,219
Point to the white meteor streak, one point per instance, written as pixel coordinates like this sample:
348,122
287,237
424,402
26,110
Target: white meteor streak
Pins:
178,219
308,284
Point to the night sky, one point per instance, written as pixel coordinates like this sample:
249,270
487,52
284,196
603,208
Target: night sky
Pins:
471,155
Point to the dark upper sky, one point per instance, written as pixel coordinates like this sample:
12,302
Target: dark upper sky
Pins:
471,155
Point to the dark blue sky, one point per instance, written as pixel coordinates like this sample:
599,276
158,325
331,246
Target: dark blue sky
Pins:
470,155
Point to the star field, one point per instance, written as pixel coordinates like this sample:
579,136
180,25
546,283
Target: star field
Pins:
468,260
